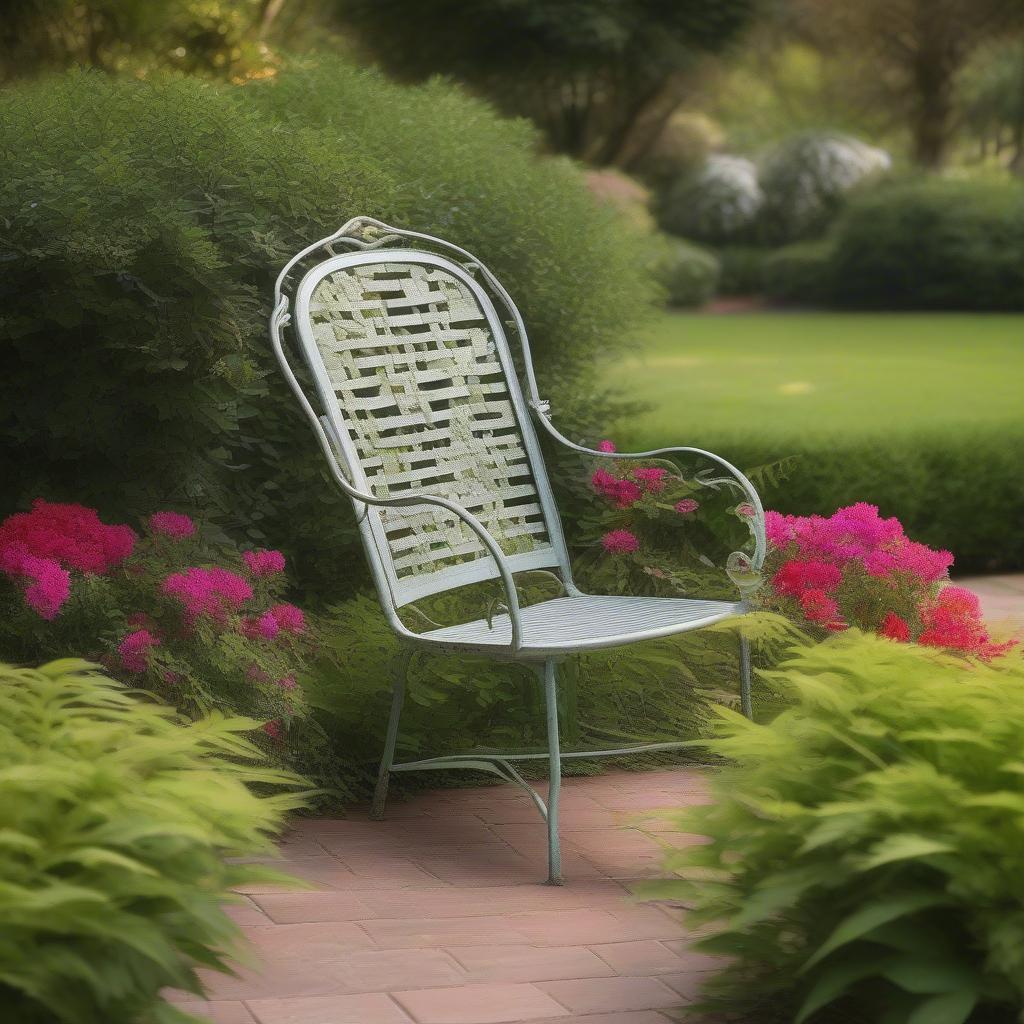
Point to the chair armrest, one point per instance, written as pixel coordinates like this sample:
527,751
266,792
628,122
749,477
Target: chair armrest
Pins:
278,320
738,480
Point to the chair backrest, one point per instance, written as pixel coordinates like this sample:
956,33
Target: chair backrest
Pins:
415,378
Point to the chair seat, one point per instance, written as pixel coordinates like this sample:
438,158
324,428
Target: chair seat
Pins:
587,623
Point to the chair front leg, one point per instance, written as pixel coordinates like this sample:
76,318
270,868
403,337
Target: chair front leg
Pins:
380,793
550,675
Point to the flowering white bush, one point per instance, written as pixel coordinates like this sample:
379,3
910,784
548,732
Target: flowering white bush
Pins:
720,203
805,177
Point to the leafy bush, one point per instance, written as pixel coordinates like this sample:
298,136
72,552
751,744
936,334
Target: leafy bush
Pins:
742,269
864,846
805,178
801,273
932,244
857,569
116,822
681,148
686,272
201,625
718,204
143,225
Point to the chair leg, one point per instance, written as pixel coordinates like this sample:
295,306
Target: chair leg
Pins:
554,772
380,793
746,702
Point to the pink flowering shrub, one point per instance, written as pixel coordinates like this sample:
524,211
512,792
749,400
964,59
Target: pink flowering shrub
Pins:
205,627
655,524
856,568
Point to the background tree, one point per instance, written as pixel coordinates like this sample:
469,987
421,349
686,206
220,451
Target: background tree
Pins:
909,54
600,77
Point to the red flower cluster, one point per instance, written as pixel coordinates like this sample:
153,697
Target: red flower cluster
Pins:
625,491
858,560
40,547
211,592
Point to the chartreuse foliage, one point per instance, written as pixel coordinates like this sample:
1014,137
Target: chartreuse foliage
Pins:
865,846
115,821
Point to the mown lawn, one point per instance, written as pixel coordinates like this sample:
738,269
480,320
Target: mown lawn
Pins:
920,414
795,377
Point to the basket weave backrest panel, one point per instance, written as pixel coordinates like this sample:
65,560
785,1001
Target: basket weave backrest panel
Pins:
422,387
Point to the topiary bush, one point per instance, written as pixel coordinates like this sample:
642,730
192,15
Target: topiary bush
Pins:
801,273
805,179
117,823
864,847
718,204
932,244
687,272
143,223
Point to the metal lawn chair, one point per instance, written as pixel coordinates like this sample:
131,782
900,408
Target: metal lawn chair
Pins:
425,428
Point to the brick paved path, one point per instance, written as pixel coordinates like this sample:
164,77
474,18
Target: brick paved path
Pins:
436,915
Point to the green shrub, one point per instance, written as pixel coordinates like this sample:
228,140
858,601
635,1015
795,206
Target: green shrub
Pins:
115,822
742,269
932,244
801,273
143,224
686,272
865,846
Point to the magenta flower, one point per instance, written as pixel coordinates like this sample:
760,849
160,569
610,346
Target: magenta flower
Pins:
264,562
288,617
210,592
651,478
607,446
273,729
686,506
819,607
620,542
287,682
172,524
264,627
50,586
134,650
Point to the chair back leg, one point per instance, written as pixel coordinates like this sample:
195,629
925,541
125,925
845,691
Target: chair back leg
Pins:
746,700
380,792
550,673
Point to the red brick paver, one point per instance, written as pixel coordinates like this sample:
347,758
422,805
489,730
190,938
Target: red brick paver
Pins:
439,915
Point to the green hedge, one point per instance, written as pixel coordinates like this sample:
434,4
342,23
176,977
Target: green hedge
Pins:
142,225
929,243
688,273
960,490
932,244
117,820
801,273
741,269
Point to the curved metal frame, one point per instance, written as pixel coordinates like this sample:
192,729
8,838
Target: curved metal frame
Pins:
365,234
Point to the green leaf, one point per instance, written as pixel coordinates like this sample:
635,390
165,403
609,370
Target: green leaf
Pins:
903,846
861,922
951,1008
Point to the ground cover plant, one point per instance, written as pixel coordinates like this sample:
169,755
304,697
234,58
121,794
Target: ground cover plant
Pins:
863,855
116,818
203,625
917,414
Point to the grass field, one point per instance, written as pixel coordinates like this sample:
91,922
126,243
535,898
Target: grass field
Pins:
920,414
792,378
